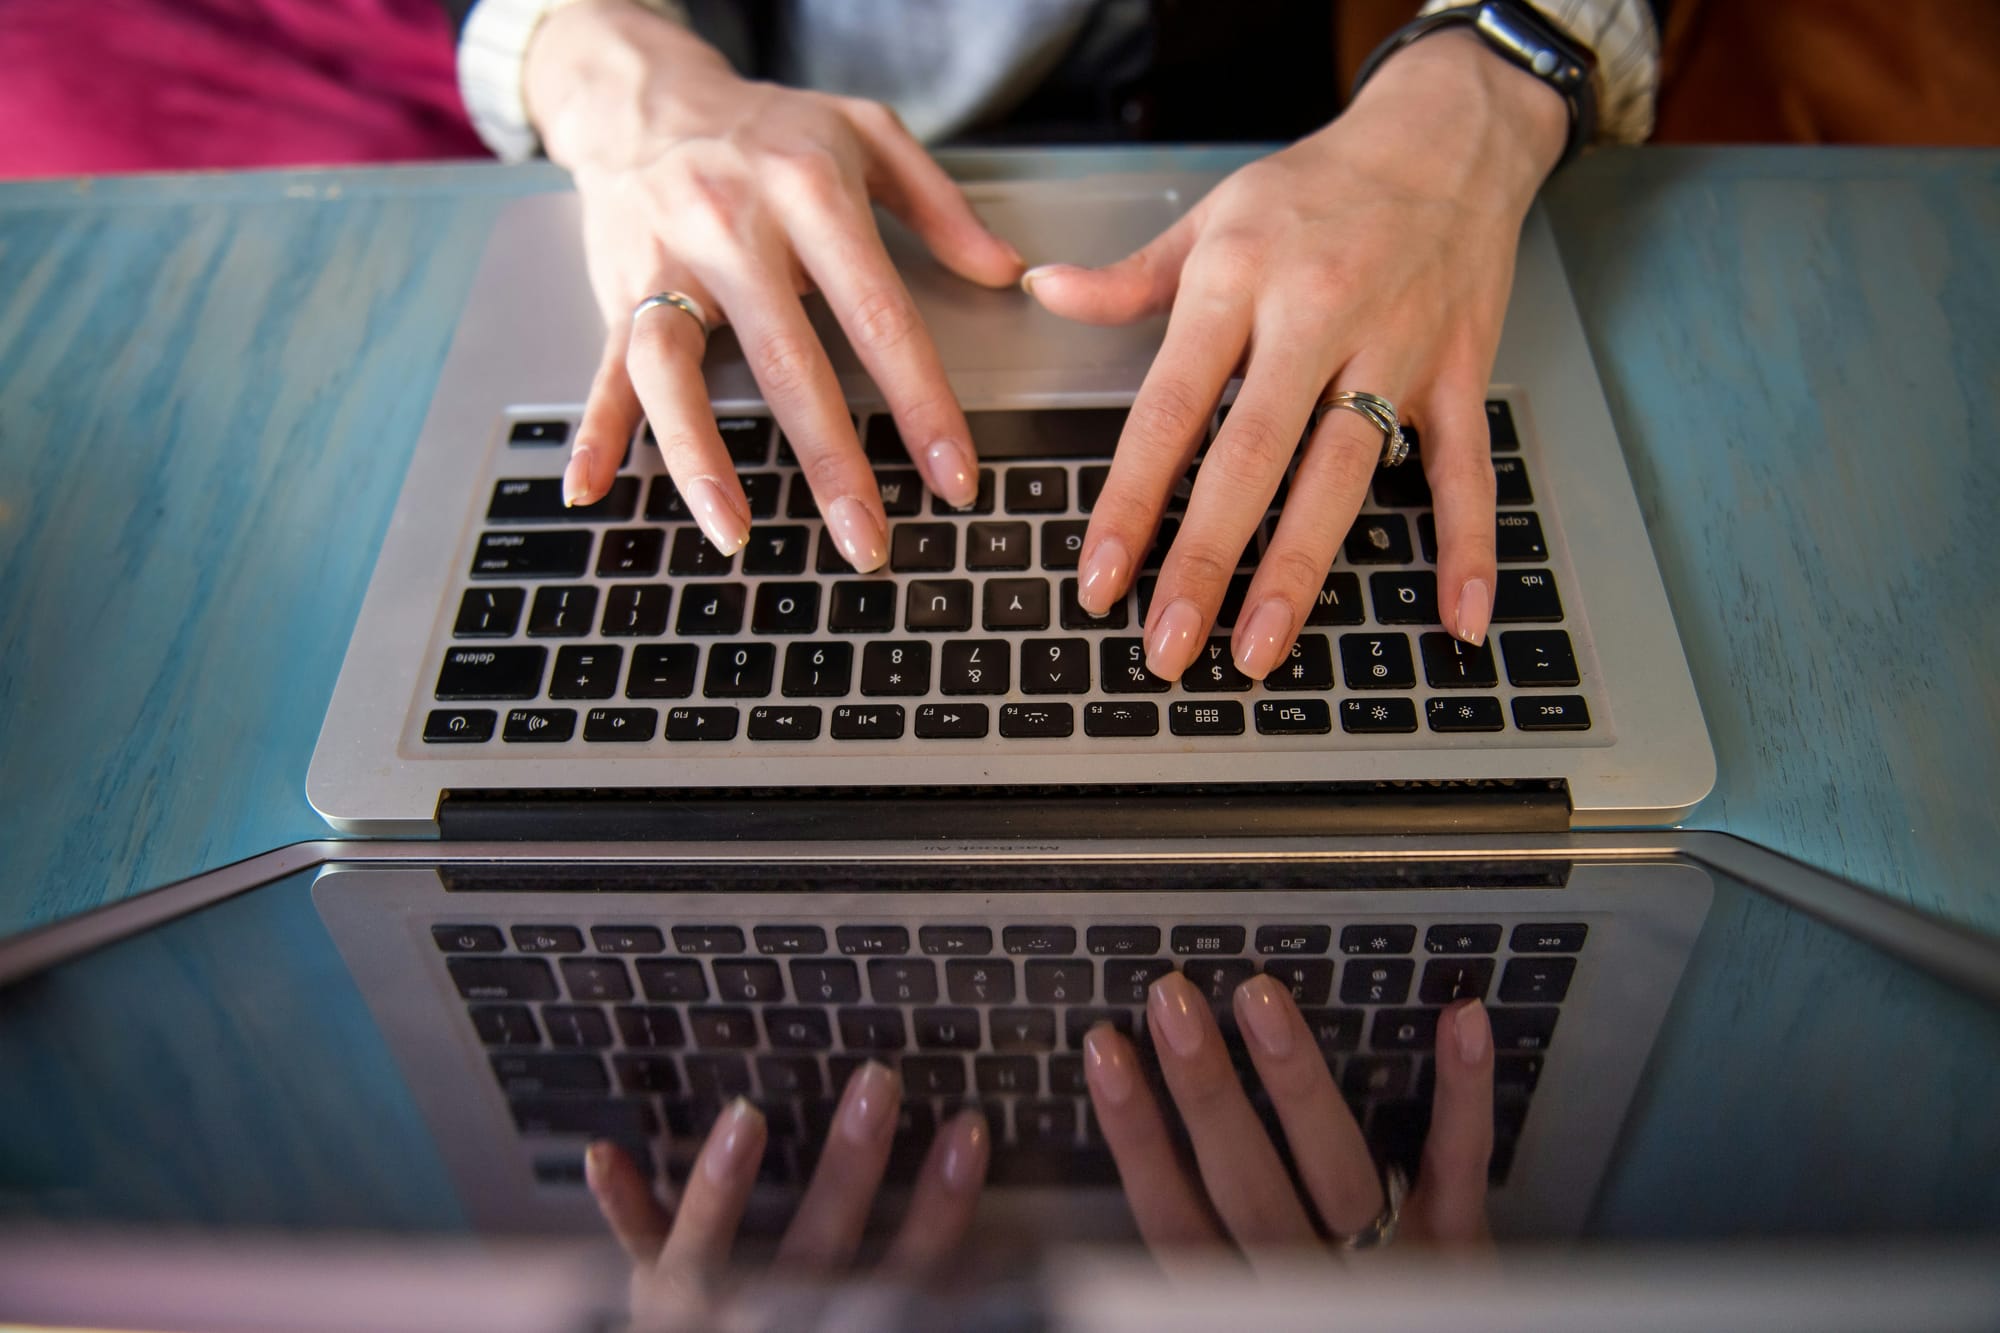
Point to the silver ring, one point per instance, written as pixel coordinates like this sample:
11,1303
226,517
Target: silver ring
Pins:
680,301
1379,411
1395,1188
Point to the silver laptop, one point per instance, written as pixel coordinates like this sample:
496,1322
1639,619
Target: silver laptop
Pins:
522,671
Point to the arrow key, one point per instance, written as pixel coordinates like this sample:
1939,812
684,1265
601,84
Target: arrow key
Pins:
794,722
951,721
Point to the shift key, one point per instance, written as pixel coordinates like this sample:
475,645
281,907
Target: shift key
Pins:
531,555
492,673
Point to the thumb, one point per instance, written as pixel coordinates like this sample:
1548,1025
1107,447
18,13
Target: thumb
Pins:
1141,284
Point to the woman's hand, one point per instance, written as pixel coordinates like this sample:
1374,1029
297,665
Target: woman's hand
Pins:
744,195
1243,1194
1376,254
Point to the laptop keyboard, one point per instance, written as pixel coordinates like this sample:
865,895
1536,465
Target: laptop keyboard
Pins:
619,625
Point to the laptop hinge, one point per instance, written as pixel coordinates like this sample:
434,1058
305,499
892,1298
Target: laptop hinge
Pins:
1029,814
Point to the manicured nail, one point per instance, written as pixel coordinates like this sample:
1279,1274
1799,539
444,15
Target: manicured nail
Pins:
597,1165
1172,1007
1105,1065
871,1103
1473,1035
726,526
1260,1004
576,477
966,1152
736,1142
954,472
857,534
1040,271
1475,609
1264,638
1175,640
1101,582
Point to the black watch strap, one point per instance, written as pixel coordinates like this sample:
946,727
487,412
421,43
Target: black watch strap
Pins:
1518,33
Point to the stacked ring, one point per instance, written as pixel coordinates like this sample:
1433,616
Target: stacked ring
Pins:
680,301
1379,411
1395,1188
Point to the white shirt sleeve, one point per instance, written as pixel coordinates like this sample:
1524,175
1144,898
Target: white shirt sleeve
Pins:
1627,45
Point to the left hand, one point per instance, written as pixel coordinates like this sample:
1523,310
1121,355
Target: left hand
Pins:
1375,254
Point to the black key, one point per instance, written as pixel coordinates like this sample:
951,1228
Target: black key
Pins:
1404,1029
1538,657
708,939
1334,1030
576,1027
1462,939
1524,596
1308,666
1403,486
923,547
650,1027
796,1029
786,608
946,1029
636,610
1536,980
469,939
1542,937
596,979
702,724
955,939
1552,712
1071,615
1449,979
531,555
586,673
902,980
939,605
539,500
1522,1029
752,981
1377,940
997,545
1214,669
1078,1021
1038,941
718,1078
799,503
459,725
1045,1123
1089,485
539,725
1015,604
1377,662
1122,941
538,432
664,503
1517,536
1218,978
1062,980
790,1076
711,608
1126,980
901,490
1500,427
1222,717
739,670
662,671
563,612
1055,666
506,1025
1510,478
790,722
1464,713
1062,542
1206,939
665,979
972,666
631,553
902,667
1293,939
1022,1029
627,939
1036,721
1450,663
1037,490
625,1120
1310,980
1377,1077
491,673
1427,536
748,439
979,980
488,613
1379,539
1516,1073
1405,598
694,554
1377,716
647,1074
867,722
1293,717
788,939
722,1029
1121,719
776,550
826,981
1338,601
870,1030
872,939
620,724
934,1075
983,504
882,442
1376,981
1122,668
1016,1075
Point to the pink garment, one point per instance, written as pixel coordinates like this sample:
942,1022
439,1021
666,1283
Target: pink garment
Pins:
94,86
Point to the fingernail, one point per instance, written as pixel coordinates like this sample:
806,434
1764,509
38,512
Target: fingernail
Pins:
1171,1006
726,527
1473,1036
1040,271
1102,579
1475,609
1264,639
1260,1004
954,472
1175,640
575,477
1105,1066
596,1165
871,1103
966,1152
1013,252
856,533
735,1142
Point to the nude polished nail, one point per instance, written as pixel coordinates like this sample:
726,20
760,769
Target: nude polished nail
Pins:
1475,610
954,472
1101,581
857,534
1171,1006
726,527
871,1104
576,478
1040,271
1105,1066
1264,639
1260,1004
966,1152
1469,1027
1175,639
735,1143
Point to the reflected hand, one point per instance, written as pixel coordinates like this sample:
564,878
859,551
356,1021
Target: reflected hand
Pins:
1243,1193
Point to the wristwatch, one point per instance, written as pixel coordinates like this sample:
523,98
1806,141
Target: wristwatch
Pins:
1518,33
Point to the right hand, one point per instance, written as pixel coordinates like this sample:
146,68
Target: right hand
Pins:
744,195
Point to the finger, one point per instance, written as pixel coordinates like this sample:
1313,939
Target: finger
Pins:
1141,284
1166,1206
946,1195
718,1190
836,240
1333,1160
827,1228
911,184
1231,494
1326,493
664,364
610,416
1458,462
1450,1197
625,1201
1239,1166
